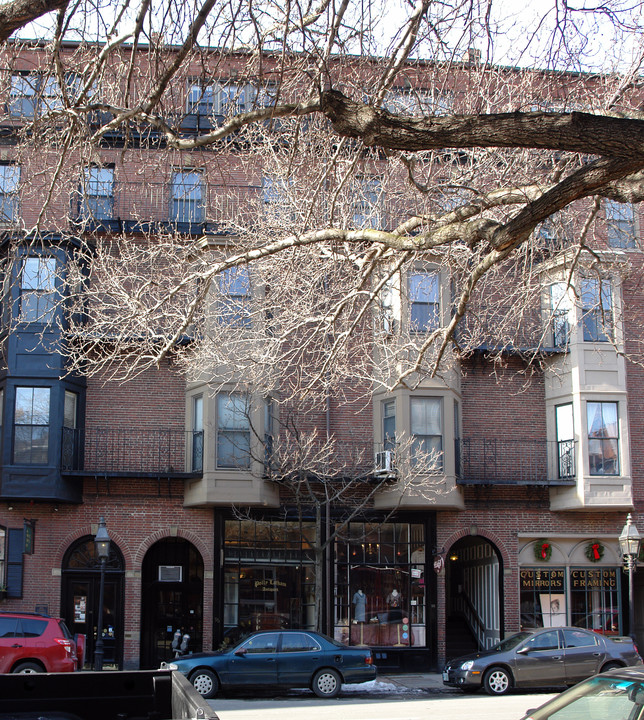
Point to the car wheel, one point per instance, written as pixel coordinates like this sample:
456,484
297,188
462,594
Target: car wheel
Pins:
326,683
205,682
497,681
610,666
27,668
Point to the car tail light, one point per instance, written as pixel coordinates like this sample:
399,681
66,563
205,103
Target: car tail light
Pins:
369,659
67,644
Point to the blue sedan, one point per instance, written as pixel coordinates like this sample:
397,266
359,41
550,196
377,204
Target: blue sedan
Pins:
283,658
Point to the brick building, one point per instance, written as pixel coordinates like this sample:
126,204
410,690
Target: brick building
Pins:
539,455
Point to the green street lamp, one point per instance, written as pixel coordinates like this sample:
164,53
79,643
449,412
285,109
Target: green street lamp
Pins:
629,545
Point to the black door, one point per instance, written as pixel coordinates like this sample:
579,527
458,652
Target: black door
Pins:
172,600
80,595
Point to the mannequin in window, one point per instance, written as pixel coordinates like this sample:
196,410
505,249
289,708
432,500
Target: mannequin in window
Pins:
394,603
359,606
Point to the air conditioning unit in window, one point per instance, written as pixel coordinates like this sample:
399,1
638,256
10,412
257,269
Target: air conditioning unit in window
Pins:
384,465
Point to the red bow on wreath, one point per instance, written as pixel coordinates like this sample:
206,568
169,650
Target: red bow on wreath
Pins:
595,549
544,550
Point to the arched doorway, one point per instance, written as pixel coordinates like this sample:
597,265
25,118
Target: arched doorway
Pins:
473,596
81,577
171,599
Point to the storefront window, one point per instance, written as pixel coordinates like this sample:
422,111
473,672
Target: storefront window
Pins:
380,585
595,600
269,577
543,597
587,598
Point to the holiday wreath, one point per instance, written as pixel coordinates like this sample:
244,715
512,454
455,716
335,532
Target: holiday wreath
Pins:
594,551
542,550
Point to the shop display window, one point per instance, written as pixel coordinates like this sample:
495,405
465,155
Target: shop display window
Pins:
269,577
584,597
380,585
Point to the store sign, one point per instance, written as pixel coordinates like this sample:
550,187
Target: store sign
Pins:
551,580
269,585
604,579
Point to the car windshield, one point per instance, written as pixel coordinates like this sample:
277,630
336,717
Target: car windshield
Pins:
511,642
596,699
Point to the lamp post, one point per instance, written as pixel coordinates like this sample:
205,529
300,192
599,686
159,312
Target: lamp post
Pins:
102,545
629,545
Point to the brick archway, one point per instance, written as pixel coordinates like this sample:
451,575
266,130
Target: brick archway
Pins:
473,593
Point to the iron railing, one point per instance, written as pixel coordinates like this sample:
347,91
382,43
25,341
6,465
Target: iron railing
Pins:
166,451
509,461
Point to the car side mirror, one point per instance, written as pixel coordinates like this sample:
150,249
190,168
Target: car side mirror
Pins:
241,652
523,651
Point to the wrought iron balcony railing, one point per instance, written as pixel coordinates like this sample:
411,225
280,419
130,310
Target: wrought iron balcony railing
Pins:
132,451
508,461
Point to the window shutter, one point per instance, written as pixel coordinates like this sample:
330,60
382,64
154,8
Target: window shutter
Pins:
15,543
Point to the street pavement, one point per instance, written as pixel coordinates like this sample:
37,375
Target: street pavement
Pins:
390,697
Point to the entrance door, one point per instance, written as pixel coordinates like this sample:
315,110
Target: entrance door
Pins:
172,600
80,595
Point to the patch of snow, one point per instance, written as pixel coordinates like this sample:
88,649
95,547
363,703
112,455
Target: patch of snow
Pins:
376,686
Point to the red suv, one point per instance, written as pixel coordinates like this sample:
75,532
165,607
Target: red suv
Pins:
31,643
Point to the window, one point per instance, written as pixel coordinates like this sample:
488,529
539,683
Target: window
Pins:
424,301
603,438
197,433
37,289
542,597
201,99
98,194
70,438
187,197
595,601
597,309
31,93
234,306
560,314
262,644
9,182
388,307
381,582
367,210
299,642
23,95
620,225
389,425
233,431
565,441
31,426
427,431
71,405
545,641
233,98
